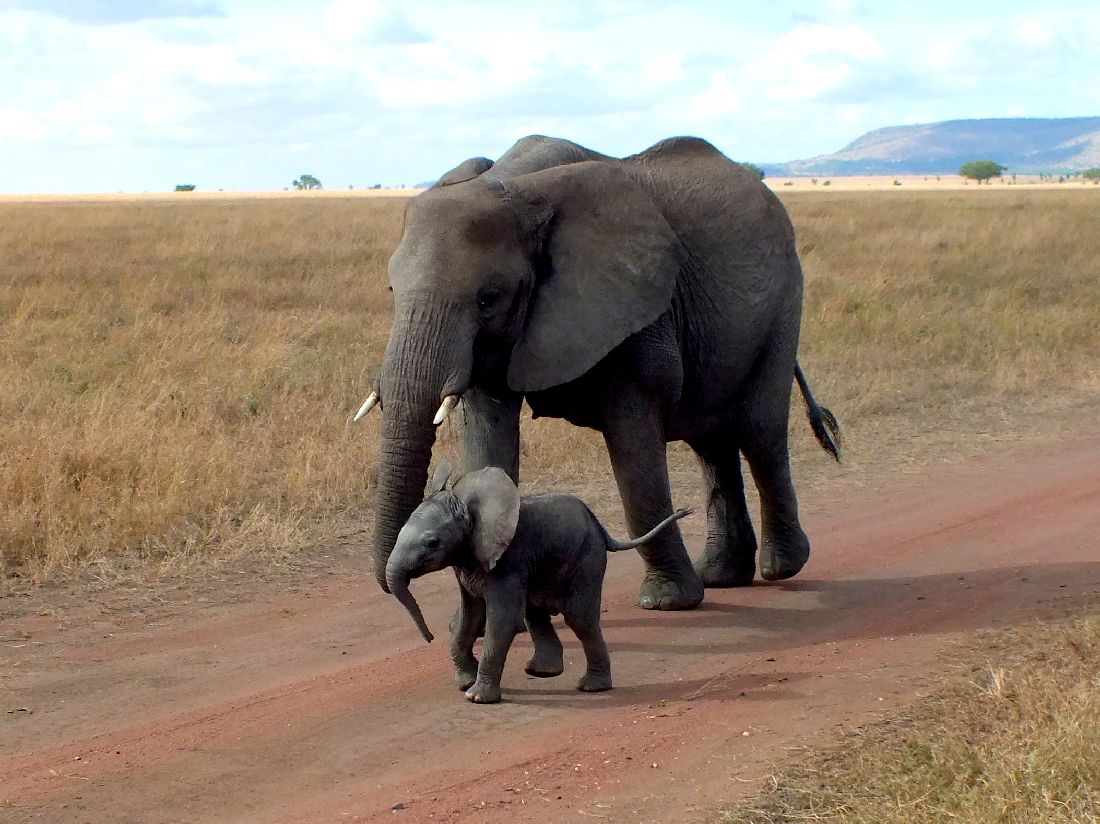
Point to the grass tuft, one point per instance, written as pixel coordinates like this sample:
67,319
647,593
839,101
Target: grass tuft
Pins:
1012,738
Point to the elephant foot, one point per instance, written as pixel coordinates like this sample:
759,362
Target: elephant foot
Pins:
593,682
483,694
720,570
545,665
662,591
465,678
784,559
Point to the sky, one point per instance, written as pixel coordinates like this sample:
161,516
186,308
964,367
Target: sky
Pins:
139,95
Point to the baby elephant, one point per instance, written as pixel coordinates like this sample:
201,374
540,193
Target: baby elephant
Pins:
517,560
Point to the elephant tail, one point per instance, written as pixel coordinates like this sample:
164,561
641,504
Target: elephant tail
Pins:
614,545
822,421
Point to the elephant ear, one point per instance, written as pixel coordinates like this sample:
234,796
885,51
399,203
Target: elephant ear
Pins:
492,500
466,170
611,263
442,475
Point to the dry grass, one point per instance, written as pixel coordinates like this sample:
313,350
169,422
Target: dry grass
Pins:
175,376
178,373
1012,740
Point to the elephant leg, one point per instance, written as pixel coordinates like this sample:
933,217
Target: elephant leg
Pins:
584,620
548,660
637,448
489,431
504,610
466,626
784,548
729,556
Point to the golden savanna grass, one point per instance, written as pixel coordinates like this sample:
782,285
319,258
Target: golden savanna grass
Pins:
1012,739
178,374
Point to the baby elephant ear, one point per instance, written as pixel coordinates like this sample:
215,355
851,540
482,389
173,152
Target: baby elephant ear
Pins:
492,500
442,475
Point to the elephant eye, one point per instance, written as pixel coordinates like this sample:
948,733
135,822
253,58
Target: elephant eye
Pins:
487,299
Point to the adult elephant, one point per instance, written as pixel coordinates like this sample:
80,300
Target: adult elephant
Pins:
653,298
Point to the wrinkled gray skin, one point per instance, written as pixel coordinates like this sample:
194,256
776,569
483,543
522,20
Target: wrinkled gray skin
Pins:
518,562
653,298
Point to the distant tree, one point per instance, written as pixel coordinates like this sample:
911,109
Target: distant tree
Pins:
981,170
306,182
756,170
1092,174
185,187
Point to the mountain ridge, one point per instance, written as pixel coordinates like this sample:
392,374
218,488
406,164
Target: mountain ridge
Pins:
1027,145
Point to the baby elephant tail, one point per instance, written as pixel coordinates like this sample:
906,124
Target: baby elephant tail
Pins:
615,546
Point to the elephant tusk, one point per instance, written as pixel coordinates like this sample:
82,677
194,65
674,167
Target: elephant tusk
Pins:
448,404
368,405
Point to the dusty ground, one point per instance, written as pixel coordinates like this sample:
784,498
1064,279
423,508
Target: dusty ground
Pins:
242,700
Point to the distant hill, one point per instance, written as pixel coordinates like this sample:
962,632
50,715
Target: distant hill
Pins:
1024,145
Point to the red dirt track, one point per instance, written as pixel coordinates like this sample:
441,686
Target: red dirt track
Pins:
324,704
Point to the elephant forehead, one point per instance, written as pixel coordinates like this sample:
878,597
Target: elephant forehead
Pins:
443,243
472,215
439,510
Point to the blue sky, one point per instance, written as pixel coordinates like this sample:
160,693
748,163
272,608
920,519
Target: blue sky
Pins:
137,95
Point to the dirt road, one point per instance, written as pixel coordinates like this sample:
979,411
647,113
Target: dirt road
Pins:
324,704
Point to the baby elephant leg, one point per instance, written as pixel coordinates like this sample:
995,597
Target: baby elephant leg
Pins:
465,628
547,660
504,606
583,617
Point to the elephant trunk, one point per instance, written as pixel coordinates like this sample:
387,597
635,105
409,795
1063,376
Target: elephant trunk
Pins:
398,582
428,358
403,457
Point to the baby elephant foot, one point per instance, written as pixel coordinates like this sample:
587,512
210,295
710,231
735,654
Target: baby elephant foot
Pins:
483,693
662,591
594,682
545,664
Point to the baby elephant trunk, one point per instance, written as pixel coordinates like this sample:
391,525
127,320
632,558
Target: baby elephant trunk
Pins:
398,584
615,546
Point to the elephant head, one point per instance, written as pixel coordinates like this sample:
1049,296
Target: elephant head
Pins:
479,516
515,286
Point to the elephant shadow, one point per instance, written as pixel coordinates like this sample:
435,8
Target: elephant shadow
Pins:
818,612
741,686
853,609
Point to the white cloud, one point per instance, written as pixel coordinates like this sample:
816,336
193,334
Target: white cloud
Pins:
111,12
812,60
369,21
18,124
721,97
